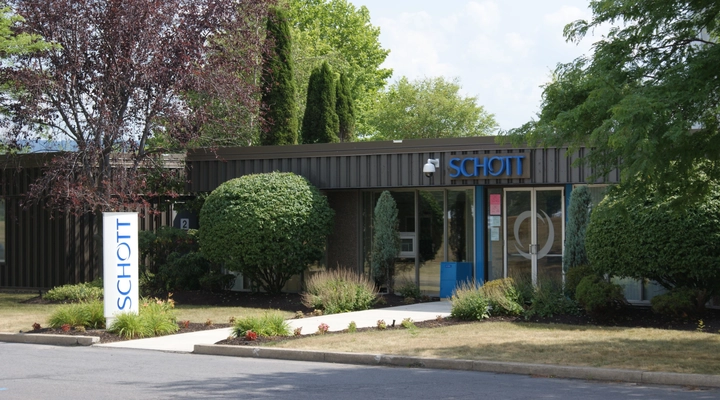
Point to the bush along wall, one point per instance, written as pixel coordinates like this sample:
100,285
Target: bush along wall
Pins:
171,261
655,239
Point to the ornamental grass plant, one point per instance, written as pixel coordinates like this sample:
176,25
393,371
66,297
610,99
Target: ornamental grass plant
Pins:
269,324
155,318
339,290
85,314
469,303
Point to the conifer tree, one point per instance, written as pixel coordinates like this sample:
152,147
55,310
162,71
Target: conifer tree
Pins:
386,240
578,220
320,122
345,109
278,99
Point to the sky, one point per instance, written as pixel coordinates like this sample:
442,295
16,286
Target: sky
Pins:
502,52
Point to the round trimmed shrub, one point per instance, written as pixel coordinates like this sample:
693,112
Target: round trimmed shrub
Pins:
269,227
598,296
677,303
658,240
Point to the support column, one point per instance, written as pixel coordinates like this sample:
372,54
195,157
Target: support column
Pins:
480,229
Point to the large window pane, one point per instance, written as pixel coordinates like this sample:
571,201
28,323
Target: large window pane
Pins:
460,225
431,246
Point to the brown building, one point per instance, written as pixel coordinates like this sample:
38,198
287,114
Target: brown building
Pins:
497,209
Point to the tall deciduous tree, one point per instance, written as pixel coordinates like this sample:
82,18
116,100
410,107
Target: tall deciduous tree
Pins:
345,108
647,100
386,240
578,220
278,100
114,77
320,123
341,34
428,108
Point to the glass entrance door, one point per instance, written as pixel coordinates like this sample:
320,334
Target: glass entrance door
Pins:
534,233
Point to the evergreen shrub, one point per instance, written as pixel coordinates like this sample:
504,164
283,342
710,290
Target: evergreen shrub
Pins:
573,277
386,241
677,303
320,123
279,110
547,299
598,296
171,261
578,220
88,291
409,290
339,290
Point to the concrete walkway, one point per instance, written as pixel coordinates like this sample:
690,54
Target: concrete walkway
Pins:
185,342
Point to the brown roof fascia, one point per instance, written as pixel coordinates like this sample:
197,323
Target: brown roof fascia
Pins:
348,149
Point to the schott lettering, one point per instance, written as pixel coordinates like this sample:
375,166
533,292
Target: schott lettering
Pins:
473,167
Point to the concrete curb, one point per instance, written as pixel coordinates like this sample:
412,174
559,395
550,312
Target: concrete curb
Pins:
554,371
54,340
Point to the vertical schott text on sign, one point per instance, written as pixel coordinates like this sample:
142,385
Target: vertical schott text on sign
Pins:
120,264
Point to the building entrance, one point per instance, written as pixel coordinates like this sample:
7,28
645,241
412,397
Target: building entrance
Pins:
534,234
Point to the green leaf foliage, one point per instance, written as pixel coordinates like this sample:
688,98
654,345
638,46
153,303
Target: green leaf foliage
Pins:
320,123
337,32
652,239
278,99
269,227
646,101
578,220
386,240
13,43
428,108
345,108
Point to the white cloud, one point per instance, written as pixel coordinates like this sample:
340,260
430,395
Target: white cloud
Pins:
502,52
485,14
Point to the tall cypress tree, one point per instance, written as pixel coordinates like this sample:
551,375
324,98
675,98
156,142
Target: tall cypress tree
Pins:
345,110
320,123
278,99
578,220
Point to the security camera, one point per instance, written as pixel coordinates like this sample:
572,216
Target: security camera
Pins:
429,167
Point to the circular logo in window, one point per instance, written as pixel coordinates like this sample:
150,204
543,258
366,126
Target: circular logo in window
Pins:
551,234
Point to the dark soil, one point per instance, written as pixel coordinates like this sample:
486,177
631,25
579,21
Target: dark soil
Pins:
639,317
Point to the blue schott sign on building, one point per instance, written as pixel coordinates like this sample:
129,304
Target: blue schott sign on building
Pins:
500,166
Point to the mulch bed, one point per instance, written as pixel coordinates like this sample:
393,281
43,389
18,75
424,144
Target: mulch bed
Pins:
639,317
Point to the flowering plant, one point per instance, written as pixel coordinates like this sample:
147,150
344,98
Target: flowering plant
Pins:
322,328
